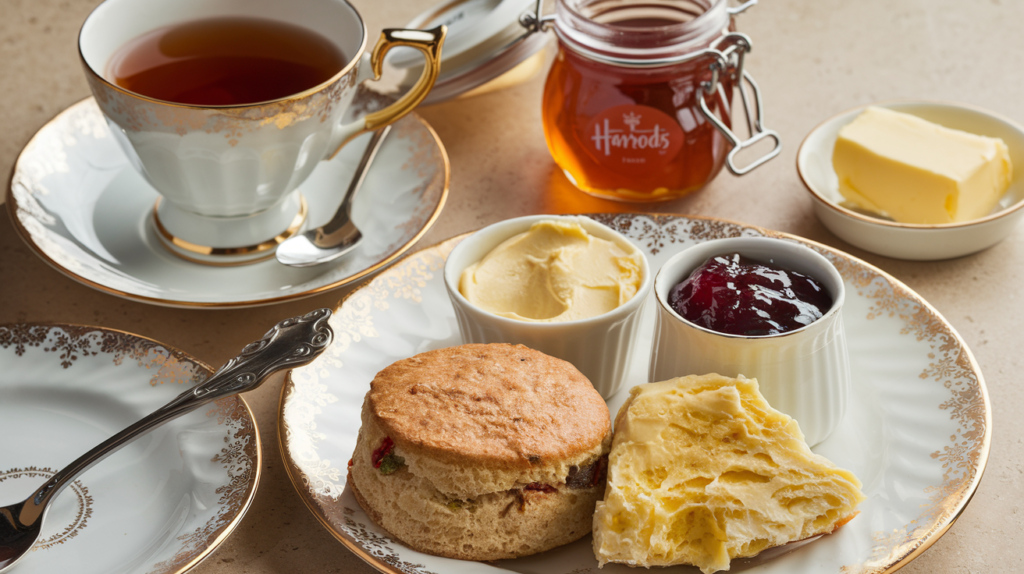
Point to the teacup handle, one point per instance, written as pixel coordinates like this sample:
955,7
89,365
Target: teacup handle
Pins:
427,41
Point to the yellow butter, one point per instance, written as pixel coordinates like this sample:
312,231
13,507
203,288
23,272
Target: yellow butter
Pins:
915,171
703,470
554,272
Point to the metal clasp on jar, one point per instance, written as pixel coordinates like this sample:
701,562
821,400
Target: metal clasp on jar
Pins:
729,52
536,21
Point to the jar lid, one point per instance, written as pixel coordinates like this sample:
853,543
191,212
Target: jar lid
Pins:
485,40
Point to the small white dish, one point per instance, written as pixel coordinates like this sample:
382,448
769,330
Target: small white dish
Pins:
159,505
909,240
917,432
600,347
804,373
81,206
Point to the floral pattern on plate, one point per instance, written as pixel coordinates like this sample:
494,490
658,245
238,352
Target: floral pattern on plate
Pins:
917,431
162,503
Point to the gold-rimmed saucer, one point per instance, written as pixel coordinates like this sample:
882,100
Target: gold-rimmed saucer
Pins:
83,209
158,506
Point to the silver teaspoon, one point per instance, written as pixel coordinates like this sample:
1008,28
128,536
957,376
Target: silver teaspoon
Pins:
291,343
339,235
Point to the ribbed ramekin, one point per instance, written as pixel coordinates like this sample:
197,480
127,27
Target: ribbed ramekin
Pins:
600,347
804,373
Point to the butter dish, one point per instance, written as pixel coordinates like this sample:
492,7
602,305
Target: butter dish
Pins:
922,242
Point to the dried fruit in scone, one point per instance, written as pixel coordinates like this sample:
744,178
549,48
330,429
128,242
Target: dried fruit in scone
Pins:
481,452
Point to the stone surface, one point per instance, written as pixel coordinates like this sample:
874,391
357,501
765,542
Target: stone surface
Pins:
812,59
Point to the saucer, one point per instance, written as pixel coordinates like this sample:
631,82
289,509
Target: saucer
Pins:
917,428
160,504
83,209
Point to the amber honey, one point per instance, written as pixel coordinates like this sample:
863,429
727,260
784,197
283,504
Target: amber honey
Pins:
632,131
688,153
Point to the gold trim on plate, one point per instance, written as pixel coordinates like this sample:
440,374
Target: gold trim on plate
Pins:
85,500
295,476
177,367
965,457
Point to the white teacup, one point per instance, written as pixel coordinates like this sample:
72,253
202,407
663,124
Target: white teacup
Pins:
804,373
228,174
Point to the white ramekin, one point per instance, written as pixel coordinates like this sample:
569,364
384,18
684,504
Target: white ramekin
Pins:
600,347
804,373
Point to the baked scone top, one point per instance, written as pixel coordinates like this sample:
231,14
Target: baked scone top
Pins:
498,405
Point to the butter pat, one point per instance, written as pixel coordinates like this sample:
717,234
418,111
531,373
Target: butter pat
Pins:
915,171
554,272
703,470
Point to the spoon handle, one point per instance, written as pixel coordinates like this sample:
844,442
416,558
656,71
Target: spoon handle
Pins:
328,235
291,343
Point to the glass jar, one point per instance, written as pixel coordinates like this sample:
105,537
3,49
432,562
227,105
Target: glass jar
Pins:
638,102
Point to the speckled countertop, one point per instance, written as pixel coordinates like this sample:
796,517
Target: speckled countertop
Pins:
812,60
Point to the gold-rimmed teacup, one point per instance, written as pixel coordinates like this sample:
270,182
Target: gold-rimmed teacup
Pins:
228,176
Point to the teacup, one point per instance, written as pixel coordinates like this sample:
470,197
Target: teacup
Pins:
228,175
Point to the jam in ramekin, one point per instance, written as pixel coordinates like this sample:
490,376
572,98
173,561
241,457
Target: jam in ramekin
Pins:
739,296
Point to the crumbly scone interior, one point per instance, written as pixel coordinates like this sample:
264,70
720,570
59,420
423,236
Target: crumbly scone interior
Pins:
704,470
482,452
464,482
527,518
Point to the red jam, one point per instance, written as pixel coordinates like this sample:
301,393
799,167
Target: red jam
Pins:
739,296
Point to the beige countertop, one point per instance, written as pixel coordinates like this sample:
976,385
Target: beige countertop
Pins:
812,59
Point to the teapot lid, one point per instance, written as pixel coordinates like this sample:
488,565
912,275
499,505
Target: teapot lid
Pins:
485,40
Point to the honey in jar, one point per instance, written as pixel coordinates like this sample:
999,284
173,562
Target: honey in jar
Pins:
632,98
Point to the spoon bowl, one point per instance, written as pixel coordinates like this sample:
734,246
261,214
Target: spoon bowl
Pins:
16,539
339,235
291,343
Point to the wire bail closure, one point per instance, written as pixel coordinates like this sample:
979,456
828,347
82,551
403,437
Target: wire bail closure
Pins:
728,53
729,61
534,21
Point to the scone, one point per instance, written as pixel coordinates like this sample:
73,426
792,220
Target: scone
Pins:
704,470
481,452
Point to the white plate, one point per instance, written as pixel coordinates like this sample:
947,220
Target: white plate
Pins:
912,241
80,206
158,506
917,430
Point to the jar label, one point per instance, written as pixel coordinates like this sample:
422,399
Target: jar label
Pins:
633,136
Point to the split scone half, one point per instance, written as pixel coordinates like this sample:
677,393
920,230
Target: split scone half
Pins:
704,470
481,452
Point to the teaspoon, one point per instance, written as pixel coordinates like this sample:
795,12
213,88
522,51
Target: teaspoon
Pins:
291,343
339,235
